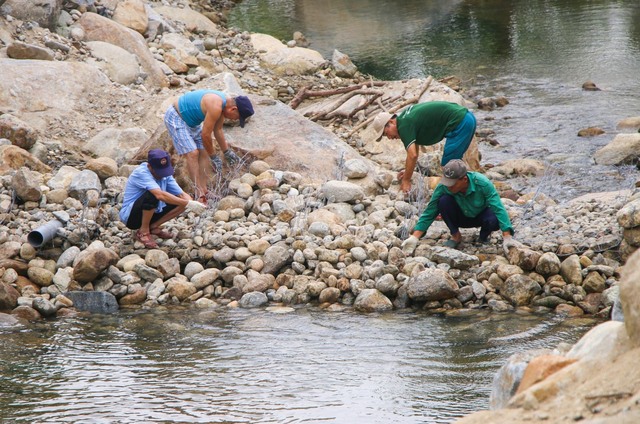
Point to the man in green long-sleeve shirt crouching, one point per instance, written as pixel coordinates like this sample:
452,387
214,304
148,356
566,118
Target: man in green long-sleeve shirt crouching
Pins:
464,200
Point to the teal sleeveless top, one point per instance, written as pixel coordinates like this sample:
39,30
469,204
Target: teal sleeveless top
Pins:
189,106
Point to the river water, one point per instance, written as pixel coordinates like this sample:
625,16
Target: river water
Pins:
314,366
537,53
256,366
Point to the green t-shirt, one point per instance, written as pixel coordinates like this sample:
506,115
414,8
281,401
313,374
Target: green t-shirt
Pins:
480,194
427,123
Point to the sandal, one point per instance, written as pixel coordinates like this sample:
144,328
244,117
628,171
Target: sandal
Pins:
146,239
160,233
451,243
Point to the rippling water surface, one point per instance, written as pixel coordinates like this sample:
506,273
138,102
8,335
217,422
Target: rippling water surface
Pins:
239,366
537,53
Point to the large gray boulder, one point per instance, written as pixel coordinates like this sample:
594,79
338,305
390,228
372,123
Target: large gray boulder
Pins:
193,20
117,144
372,300
431,284
82,182
287,141
282,59
119,65
98,28
622,150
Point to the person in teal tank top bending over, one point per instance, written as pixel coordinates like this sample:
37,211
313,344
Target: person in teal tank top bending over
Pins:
425,124
193,120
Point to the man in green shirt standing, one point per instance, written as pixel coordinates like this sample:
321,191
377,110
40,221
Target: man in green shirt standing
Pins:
465,200
425,124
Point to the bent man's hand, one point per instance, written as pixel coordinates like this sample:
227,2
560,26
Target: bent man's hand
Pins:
409,245
231,157
405,186
216,162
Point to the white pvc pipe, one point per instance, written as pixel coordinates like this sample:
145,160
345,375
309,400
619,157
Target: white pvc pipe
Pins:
43,234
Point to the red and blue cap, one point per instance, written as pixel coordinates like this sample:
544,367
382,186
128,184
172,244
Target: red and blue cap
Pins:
160,162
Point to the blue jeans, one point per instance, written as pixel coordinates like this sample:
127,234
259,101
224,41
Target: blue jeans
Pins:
454,218
458,141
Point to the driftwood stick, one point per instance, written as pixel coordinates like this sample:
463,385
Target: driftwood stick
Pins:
299,97
413,99
343,99
305,93
365,105
394,108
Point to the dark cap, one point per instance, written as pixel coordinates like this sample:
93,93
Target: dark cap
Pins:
245,108
160,162
452,172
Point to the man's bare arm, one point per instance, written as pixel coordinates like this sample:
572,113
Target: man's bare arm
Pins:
409,166
213,119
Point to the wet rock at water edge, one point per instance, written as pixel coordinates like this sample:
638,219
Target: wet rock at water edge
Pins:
94,302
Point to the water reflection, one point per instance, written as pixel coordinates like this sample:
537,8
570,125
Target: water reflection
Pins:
257,367
399,39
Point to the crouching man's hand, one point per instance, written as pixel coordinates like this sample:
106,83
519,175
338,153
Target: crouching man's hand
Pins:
509,243
409,245
195,207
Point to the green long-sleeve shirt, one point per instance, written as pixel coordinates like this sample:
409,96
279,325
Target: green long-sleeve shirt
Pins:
480,194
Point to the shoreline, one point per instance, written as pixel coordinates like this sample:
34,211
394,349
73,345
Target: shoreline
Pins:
344,267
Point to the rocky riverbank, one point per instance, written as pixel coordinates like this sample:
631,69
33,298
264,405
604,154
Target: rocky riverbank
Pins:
311,216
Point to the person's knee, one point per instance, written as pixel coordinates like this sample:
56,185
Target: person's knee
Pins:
149,201
491,222
445,202
192,155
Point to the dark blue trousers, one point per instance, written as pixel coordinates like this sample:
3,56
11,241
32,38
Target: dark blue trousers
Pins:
145,202
454,218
